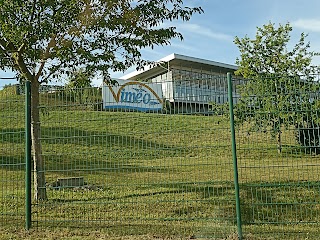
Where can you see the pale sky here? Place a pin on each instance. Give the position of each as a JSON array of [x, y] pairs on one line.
[[210, 35]]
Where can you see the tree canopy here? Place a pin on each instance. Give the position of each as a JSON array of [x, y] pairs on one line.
[[45, 40], [269, 54], [279, 84]]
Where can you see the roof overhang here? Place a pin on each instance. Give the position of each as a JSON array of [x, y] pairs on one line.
[[179, 61]]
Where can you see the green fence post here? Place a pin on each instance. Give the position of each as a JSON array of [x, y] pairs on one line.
[[234, 156], [28, 152]]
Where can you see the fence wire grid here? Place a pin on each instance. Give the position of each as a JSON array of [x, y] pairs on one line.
[[161, 172], [277, 122], [12, 158], [168, 172]]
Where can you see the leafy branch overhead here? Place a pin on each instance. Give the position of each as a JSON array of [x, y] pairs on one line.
[[44, 39], [279, 89]]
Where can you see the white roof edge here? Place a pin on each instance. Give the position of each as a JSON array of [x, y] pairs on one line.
[[148, 67], [130, 75], [204, 61], [135, 73], [180, 57], [168, 58]]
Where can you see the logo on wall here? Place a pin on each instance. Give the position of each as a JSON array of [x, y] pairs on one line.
[[134, 95]]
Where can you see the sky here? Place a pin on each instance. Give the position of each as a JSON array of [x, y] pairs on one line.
[[210, 35]]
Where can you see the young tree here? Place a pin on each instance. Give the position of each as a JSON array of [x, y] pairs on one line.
[[42, 40], [78, 83], [277, 90]]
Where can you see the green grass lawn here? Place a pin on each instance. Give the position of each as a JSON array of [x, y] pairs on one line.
[[154, 176]]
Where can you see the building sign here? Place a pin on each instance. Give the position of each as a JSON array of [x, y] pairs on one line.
[[122, 94]]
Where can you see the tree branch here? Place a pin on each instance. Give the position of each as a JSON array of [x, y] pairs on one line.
[[4, 51], [21, 48], [7, 45], [16, 57], [57, 67], [45, 56], [21, 67], [32, 15]]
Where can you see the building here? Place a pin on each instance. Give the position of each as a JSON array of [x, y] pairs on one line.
[[189, 84]]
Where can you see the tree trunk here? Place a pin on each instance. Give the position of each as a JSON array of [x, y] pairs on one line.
[[40, 192], [279, 142]]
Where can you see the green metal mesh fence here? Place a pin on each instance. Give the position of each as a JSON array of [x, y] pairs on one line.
[[12, 163], [157, 173], [277, 122], [168, 172]]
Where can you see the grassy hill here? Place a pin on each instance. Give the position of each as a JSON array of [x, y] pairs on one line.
[[156, 175]]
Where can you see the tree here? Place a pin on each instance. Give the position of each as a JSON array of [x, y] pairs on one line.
[[42, 40], [278, 82], [78, 83]]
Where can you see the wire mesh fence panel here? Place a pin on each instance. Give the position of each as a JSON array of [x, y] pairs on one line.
[[12, 163], [135, 164], [277, 120]]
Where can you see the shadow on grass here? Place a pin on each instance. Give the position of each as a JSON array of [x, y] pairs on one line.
[[12, 162], [298, 151], [183, 200], [93, 150], [12, 135], [281, 203], [273, 203]]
